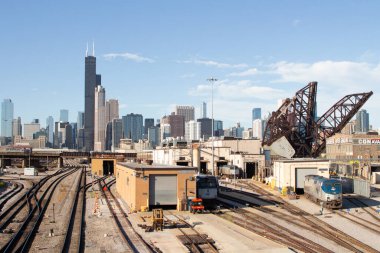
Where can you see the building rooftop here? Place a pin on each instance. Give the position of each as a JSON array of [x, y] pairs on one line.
[[295, 160], [140, 166]]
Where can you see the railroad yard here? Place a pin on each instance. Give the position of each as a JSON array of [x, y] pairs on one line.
[[69, 210]]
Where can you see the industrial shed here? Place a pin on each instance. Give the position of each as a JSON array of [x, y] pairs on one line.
[[144, 186], [291, 173], [103, 166]]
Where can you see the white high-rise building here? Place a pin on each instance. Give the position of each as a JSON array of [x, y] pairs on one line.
[[186, 111], [192, 130], [257, 129], [100, 119], [204, 110]]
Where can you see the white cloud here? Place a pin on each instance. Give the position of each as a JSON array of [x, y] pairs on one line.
[[216, 64], [339, 74], [248, 72], [128, 56], [237, 90]]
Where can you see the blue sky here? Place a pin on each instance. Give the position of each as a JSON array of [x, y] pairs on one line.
[[154, 55]]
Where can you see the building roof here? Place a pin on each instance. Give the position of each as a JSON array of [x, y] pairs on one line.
[[300, 160], [141, 166]]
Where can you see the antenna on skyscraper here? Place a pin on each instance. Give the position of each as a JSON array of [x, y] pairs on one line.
[[87, 50], [93, 48]]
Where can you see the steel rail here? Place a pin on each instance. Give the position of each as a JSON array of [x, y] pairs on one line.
[[16, 239], [194, 247], [319, 226], [74, 214], [126, 238], [148, 247]]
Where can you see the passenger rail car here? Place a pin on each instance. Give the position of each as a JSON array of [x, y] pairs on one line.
[[323, 190], [207, 190]]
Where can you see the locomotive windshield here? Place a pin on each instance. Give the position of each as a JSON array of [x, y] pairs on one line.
[[332, 187], [206, 182]]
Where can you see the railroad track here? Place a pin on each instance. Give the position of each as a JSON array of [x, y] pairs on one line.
[[193, 240], [368, 209], [74, 235], [314, 224], [134, 241], [10, 194], [8, 215], [268, 228], [22, 239]]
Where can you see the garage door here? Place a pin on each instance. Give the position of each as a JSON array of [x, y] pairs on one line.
[[300, 176], [162, 190]]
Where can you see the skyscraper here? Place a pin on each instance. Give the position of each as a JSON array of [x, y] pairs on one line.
[[112, 110], [64, 115], [362, 121], [154, 136], [133, 126], [17, 127], [218, 128], [256, 113], [117, 133], [186, 111], [192, 130], [6, 118], [80, 120], [100, 118], [50, 129], [148, 123], [108, 141], [206, 128], [257, 129], [90, 82], [204, 110], [30, 129], [177, 124]]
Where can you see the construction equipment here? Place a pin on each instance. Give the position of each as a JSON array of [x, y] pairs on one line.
[[196, 205], [158, 219]]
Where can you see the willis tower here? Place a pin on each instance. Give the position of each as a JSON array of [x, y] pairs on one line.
[[91, 80]]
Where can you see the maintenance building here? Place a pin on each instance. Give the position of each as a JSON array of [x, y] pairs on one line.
[[144, 186], [291, 173]]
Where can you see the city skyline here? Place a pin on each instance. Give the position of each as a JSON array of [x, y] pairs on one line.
[[168, 62]]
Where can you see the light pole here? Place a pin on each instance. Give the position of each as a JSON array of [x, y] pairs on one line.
[[212, 80]]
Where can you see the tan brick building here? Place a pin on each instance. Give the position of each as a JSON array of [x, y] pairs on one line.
[[144, 186]]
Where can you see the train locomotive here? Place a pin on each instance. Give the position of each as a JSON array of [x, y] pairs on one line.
[[207, 190], [323, 190]]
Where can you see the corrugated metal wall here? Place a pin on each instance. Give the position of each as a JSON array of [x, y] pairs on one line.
[[362, 187]]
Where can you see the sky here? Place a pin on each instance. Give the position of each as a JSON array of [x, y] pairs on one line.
[[153, 55]]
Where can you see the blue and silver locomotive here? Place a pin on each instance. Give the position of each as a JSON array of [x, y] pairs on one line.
[[207, 190], [323, 190]]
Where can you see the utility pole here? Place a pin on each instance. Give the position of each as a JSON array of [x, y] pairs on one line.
[[212, 80]]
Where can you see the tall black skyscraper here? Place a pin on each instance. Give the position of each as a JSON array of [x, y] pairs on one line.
[[91, 80]]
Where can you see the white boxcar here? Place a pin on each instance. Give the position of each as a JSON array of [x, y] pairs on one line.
[[30, 172]]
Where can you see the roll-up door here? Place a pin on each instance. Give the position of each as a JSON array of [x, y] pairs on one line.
[[162, 190], [300, 177]]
